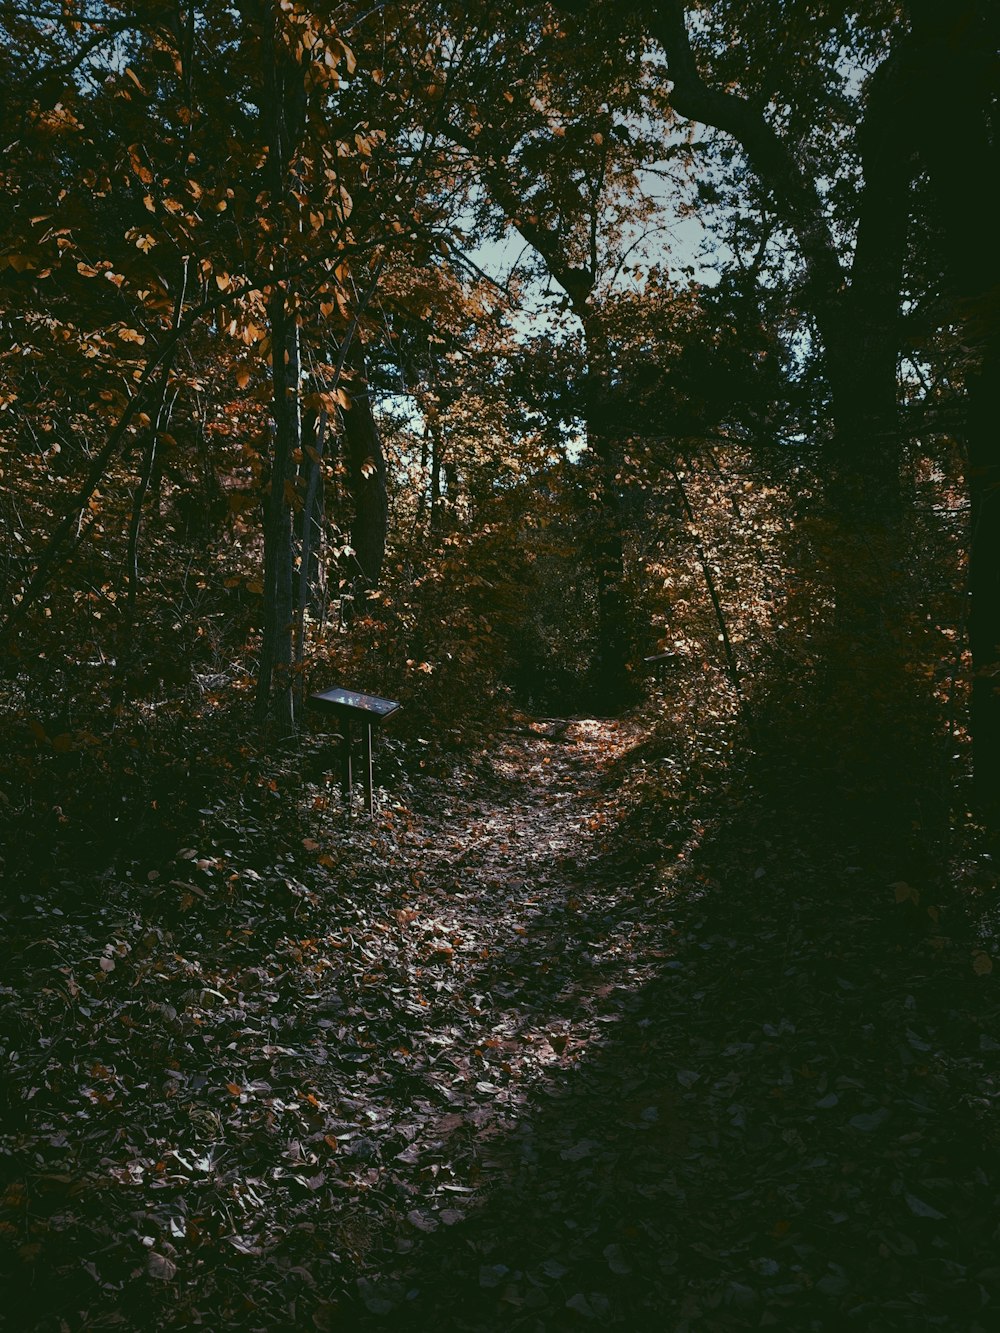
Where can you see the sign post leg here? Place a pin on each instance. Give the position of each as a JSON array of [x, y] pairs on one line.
[[369, 784], [346, 775]]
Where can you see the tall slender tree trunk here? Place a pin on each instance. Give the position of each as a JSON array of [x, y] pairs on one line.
[[309, 591], [861, 328], [608, 547], [274, 682], [366, 477], [309, 520], [283, 110], [437, 520]]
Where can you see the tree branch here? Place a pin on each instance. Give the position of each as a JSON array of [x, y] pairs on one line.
[[769, 156]]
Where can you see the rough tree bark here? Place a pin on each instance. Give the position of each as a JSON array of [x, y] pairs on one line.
[[962, 155], [439, 512], [283, 110], [274, 672]]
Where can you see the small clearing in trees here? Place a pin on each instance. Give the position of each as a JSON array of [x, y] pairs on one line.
[[511, 1055]]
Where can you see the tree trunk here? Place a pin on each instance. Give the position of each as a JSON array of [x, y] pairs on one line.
[[861, 326], [863, 502], [437, 524], [366, 478], [313, 514], [274, 680], [983, 447], [607, 545], [864, 457], [283, 109], [962, 154], [309, 591]]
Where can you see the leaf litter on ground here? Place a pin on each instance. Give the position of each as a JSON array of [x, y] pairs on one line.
[[499, 1058]]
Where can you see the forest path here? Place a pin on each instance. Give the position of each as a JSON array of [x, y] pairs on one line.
[[256, 1076], [516, 938], [527, 935], [513, 864], [720, 1088], [533, 1049]]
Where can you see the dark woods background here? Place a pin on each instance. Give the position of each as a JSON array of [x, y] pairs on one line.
[[268, 421], [471, 354]]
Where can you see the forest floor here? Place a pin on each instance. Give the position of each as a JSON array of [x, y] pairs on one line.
[[530, 1050]]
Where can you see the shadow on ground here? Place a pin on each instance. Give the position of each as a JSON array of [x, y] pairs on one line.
[[721, 1067], [786, 1122]]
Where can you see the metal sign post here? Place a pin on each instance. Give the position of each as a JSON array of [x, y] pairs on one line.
[[350, 706]]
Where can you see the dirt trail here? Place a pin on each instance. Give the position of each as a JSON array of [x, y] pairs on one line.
[[684, 1096], [489, 1062], [516, 929], [537, 942]]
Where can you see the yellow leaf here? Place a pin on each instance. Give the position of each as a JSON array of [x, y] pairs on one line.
[[242, 376], [982, 963], [347, 54], [138, 166], [87, 270], [905, 893], [222, 281]]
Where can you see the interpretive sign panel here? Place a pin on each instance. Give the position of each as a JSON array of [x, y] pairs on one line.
[[366, 709]]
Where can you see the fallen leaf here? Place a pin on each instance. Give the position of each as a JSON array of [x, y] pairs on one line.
[[920, 1209], [159, 1266]]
